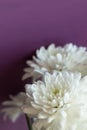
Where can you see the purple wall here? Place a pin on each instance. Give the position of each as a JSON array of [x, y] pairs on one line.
[[26, 25]]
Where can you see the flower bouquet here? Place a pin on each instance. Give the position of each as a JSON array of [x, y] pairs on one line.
[[57, 97]]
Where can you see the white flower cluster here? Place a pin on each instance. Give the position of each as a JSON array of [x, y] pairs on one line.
[[70, 58], [57, 97], [58, 102]]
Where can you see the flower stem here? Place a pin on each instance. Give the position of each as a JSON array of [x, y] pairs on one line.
[[28, 122]]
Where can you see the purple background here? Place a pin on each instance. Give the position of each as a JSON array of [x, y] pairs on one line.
[[25, 25]]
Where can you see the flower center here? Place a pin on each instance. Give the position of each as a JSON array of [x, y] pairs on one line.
[[55, 91]]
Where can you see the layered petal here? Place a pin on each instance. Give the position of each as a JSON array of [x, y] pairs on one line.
[[70, 57], [59, 101], [12, 108]]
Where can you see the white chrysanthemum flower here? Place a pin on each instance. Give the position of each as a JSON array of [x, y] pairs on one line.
[[70, 57], [59, 102], [12, 108]]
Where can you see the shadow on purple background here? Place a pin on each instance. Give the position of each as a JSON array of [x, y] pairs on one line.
[[25, 25]]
